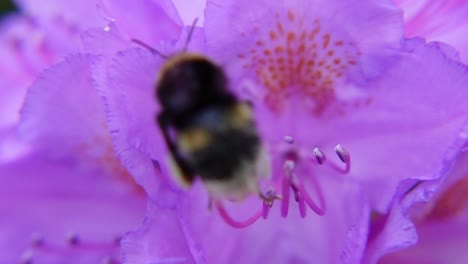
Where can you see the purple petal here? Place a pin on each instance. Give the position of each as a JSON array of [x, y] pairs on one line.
[[83, 13], [339, 236], [190, 10], [27, 48], [403, 134], [42, 202], [443, 242], [64, 116], [162, 239], [144, 20], [103, 42], [431, 217], [128, 87], [265, 25], [438, 20], [11, 145]]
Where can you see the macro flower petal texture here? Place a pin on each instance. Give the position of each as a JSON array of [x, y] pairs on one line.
[[346, 107], [438, 20], [350, 112], [427, 224], [55, 213], [69, 200], [33, 40]]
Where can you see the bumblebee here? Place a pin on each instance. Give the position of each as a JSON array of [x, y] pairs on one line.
[[210, 133]]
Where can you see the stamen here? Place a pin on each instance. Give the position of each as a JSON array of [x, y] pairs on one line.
[[289, 139], [345, 157], [320, 210], [302, 208], [265, 210], [319, 156], [288, 167], [293, 161], [236, 224], [73, 239], [37, 240], [27, 258], [342, 154], [294, 182]]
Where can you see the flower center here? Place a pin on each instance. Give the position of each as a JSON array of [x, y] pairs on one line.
[[307, 60], [293, 173]]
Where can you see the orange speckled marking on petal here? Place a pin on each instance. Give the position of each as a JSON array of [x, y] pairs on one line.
[[107, 159], [451, 202], [301, 59]]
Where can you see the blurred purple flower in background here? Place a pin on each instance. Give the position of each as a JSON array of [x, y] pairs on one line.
[[64, 196], [319, 73], [30, 42]]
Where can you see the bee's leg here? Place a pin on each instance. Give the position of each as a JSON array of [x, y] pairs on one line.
[[269, 196]]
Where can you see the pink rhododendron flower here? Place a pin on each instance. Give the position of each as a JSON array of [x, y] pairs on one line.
[[318, 75], [352, 115]]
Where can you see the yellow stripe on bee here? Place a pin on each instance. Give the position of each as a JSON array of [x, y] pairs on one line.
[[193, 139], [174, 60], [177, 174], [240, 115]]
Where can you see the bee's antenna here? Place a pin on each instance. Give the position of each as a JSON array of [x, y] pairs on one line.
[[190, 34], [164, 56], [153, 50]]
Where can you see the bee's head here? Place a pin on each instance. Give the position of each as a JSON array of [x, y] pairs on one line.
[[190, 82]]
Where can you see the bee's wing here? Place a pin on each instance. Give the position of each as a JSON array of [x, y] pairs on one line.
[[180, 169]]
